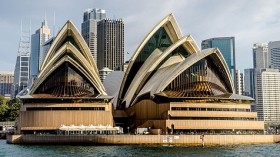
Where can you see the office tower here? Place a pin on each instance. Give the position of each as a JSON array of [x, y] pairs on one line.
[[37, 52], [274, 54], [267, 95], [110, 43], [21, 73], [260, 51], [89, 28], [239, 82], [249, 82], [227, 47], [249, 86], [6, 82]]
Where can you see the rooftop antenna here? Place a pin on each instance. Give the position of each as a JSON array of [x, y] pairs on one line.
[[45, 19]]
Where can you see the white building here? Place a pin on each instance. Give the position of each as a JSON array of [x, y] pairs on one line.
[[274, 54], [268, 95], [239, 82], [103, 73]]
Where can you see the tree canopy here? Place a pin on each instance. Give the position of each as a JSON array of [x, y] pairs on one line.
[[9, 109]]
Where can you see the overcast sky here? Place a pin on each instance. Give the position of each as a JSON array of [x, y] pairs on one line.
[[249, 21]]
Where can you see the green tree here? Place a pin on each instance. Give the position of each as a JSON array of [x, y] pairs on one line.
[[14, 109], [3, 108]]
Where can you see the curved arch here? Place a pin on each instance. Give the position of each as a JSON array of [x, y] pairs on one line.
[[170, 26], [154, 60]]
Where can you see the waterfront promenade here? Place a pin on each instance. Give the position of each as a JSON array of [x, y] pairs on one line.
[[143, 139]]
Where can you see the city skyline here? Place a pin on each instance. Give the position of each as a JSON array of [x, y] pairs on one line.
[[248, 21]]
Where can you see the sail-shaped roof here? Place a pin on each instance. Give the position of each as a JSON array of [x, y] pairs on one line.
[[161, 61], [68, 69]]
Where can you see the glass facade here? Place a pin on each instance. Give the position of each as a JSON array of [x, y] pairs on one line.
[[34, 58]]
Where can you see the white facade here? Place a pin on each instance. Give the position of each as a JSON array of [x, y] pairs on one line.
[[103, 73], [274, 54], [268, 95], [239, 82], [260, 55]]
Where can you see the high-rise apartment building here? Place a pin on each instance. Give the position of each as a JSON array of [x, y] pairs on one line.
[[260, 54], [37, 52], [110, 43], [227, 47], [89, 28], [274, 54], [6, 82], [239, 82], [267, 95]]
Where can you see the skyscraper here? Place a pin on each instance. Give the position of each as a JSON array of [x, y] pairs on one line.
[[239, 82], [267, 95], [227, 47], [89, 28], [110, 43], [249, 86], [274, 54], [6, 82], [260, 51], [21, 73], [249, 82], [37, 52]]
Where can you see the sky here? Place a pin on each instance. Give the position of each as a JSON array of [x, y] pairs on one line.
[[249, 21]]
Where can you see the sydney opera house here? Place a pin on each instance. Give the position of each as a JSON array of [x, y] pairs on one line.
[[170, 85]]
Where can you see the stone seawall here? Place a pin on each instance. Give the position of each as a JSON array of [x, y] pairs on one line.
[[143, 139]]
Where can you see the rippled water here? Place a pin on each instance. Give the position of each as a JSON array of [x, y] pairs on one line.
[[266, 150]]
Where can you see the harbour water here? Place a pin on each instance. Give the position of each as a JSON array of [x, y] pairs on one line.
[[11, 150]]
